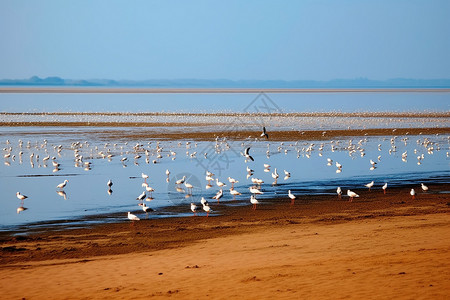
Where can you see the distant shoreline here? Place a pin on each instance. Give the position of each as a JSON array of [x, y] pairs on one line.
[[134, 90]]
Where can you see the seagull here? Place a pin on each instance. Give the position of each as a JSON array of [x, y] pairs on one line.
[[339, 192], [188, 186], [373, 163], [145, 176], [62, 185], [146, 209], [250, 170], [292, 196], [219, 183], [247, 155], [180, 181], [167, 172], [287, 174], [232, 181], [207, 209], [141, 196], [109, 184], [424, 187], [194, 208], [275, 174], [384, 187], [369, 185], [20, 196], [413, 193], [264, 133], [266, 166], [253, 201], [132, 217], [149, 189], [234, 193], [218, 195], [255, 190], [351, 195], [203, 201]]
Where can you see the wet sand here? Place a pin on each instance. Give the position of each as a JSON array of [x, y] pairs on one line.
[[378, 246], [178, 131]]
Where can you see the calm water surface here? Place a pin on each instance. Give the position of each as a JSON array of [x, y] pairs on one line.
[[86, 197]]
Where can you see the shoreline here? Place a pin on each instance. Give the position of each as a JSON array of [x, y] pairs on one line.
[[318, 247], [306, 209], [233, 133]]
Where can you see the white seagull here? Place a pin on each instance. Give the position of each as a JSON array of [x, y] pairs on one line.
[[220, 183], [234, 193], [20, 196], [339, 192], [180, 181], [413, 193], [132, 217], [384, 187], [62, 185], [351, 195], [424, 187], [369, 185], [194, 208], [292, 196], [218, 195], [145, 176], [232, 181], [253, 201], [207, 209], [255, 190], [109, 184], [141, 196]]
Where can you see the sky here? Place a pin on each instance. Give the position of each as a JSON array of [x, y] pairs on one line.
[[280, 40]]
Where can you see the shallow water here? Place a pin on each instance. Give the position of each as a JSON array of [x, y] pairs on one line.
[[86, 198]]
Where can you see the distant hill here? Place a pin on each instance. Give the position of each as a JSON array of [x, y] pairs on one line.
[[224, 83]]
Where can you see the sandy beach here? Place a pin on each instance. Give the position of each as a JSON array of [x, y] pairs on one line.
[[378, 246]]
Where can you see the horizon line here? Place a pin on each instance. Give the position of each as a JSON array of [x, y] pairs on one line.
[[149, 90]]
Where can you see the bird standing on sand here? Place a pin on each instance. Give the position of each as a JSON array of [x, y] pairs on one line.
[[424, 187], [339, 192], [146, 209], [207, 209], [218, 195], [194, 208], [351, 195], [413, 193], [292, 196], [264, 133], [369, 185], [247, 154], [132, 217], [62, 185], [384, 187], [253, 201]]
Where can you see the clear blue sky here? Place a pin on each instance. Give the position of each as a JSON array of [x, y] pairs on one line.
[[289, 40]]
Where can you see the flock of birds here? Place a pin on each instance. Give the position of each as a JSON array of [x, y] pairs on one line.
[[255, 189]]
